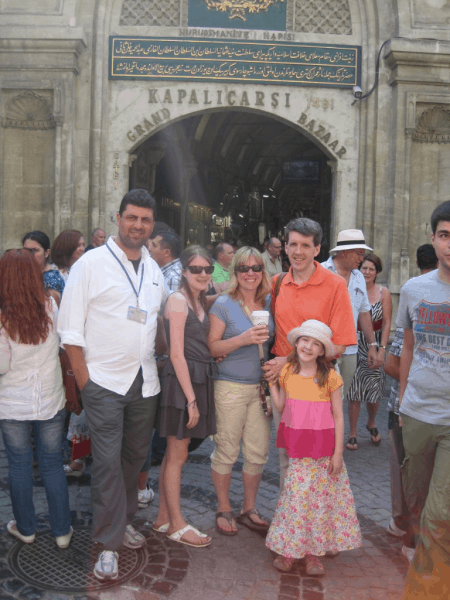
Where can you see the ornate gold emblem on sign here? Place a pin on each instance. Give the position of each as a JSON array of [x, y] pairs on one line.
[[240, 9]]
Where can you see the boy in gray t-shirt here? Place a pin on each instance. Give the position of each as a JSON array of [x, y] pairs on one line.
[[424, 313], [425, 308]]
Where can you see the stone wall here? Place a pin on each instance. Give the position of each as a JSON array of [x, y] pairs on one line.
[[65, 142]]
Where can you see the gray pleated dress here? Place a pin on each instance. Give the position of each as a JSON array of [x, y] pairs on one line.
[[202, 370]]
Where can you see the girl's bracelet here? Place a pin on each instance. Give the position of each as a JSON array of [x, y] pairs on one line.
[[191, 403]]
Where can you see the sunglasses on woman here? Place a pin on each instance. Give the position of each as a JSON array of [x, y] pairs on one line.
[[195, 270], [246, 268]]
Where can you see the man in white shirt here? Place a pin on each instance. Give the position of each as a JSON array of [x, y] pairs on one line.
[[271, 257], [108, 324], [345, 260]]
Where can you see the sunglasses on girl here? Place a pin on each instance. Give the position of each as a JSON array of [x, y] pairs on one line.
[[246, 268], [195, 270]]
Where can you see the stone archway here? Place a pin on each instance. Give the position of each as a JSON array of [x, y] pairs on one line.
[[231, 174], [140, 111]]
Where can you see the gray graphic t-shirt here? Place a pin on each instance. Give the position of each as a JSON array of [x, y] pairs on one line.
[[425, 308]]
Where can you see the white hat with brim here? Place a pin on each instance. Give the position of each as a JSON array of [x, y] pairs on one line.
[[350, 239], [318, 331]]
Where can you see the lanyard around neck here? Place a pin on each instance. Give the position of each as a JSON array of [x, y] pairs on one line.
[[137, 292]]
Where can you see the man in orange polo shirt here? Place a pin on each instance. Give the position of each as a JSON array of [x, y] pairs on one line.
[[308, 291]]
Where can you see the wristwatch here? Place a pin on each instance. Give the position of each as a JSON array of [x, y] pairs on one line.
[[373, 344]]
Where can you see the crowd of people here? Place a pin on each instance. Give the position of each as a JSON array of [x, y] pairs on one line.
[[233, 338]]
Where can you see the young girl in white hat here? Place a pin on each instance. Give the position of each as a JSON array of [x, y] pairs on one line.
[[316, 512]]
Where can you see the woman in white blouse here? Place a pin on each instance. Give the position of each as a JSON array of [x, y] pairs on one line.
[[31, 396]]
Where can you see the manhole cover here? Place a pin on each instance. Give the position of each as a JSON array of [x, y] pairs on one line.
[[44, 564]]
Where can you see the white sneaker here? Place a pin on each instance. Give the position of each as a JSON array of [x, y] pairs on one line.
[[145, 497], [107, 566], [408, 553], [133, 539], [392, 529]]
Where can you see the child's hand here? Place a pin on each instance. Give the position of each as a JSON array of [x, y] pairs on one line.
[[335, 466]]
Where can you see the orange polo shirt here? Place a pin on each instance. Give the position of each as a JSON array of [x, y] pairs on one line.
[[323, 297]]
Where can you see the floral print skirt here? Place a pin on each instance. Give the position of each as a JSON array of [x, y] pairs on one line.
[[316, 513]]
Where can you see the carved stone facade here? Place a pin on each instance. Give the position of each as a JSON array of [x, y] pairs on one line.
[[151, 13], [433, 126], [323, 17], [68, 133], [308, 16], [28, 111]]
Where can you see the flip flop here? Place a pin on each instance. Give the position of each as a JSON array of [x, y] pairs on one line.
[[352, 441], [245, 519], [177, 535], [228, 516], [373, 434]]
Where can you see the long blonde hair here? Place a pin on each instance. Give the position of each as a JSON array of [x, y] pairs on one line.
[[241, 256]]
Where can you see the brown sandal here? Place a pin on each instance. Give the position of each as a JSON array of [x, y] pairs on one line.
[[246, 520], [228, 516]]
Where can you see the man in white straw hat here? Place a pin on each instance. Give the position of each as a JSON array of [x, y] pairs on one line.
[[345, 260]]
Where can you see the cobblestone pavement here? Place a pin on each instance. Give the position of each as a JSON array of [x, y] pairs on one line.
[[232, 568]]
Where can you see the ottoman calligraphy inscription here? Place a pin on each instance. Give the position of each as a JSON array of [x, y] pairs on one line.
[[253, 62]]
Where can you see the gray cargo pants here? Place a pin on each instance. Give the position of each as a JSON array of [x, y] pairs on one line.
[[120, 428]]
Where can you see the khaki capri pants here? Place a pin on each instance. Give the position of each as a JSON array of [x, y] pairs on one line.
[[239, 416]]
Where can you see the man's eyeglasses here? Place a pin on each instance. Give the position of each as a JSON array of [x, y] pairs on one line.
[[246, 268], [195, 270]]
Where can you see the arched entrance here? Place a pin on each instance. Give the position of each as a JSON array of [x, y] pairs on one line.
[[234, 175]]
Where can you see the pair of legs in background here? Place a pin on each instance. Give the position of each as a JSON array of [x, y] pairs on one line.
[[426, 483], [18, 444], [120, 429], [239, 418], [347, 366]]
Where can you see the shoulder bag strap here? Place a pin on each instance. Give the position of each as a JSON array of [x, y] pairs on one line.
[[276, 291]]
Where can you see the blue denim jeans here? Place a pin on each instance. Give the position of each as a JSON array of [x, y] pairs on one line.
[[17, 439]]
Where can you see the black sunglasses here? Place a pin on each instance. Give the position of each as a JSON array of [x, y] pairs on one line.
[[195, 270], [246, 268]]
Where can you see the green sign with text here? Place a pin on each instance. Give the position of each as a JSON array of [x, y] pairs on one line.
[[179, 59]]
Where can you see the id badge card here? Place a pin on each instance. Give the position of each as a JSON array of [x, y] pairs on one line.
[[137, 314]]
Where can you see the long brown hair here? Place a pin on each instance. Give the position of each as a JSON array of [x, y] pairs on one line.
[[23, 300], [186, 257], [64, 246], [324, 365]]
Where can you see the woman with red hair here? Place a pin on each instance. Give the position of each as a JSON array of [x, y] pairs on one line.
[[31, 396], [67, 248]]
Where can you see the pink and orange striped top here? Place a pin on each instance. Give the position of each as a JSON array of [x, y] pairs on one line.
[[307, 424]]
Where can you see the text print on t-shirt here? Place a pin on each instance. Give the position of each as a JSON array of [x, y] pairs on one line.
[[432, 333]]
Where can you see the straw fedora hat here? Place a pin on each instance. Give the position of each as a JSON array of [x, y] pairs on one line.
[[318, 331], [348, 239]]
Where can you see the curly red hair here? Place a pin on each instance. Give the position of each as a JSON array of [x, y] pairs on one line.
[[23, 300]]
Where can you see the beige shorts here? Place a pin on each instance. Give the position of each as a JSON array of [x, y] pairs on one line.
[[239, 416]]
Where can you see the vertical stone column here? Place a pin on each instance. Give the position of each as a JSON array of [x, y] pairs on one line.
[[58, 175], [189, 168]]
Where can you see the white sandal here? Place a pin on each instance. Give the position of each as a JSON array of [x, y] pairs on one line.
[[177, 535], [162, 528]]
